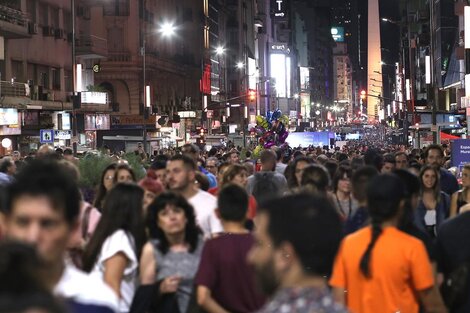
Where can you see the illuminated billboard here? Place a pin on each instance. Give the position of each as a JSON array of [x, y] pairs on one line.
[[280, 65], [338, 34]]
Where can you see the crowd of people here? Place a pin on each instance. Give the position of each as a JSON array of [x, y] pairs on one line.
[[357, 229]]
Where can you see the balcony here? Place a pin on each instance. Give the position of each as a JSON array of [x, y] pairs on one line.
[[13, 23], [91, 47], [9, 89], [119, 56]]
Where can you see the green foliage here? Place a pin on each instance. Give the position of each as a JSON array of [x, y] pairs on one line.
[[91, 166], [95, 88], [136, 164]]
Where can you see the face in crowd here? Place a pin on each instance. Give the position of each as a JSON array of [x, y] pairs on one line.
[[36, 221], [299, 170], [172, 220], [124, 175], [178, 176], [211, 166], [401, 162], [108, 179], [435, 157]]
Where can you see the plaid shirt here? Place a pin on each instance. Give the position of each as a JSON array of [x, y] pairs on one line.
[[302, 300]]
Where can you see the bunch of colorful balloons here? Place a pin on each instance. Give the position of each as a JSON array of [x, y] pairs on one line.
[[271, 129]]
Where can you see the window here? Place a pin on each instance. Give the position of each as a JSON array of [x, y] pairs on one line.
[[68, 80], [31, 9], [43, 14], [17, 71], [55, 17], [43, 76], [55, 78], [115, 39], [116, 8]]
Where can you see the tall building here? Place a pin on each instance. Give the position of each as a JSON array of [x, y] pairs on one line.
[[375, 111], [342, 81], [35, 72], [317, 18]]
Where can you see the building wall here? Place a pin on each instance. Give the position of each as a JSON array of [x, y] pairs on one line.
[[374, 68]]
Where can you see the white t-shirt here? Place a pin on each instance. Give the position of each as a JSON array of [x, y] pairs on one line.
[[119, 241], [77, 286], [204, 205]]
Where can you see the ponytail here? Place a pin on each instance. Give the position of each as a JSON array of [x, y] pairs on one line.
[[365, 260]]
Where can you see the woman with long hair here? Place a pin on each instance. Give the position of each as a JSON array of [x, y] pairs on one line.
[[380, 268], [113, 251], [434, 206], [461, 197], [171, 258], [124, 173], [294, 170], [105, 185], [342, 192]]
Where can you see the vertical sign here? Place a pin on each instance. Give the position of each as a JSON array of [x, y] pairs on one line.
[[279, 9]]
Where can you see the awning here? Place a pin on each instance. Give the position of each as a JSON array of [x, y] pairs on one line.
[[445, 136]]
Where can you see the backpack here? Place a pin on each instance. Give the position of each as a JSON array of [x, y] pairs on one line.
[[456, 286], [264, 186]]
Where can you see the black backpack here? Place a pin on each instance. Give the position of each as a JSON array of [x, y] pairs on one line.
[[456, 286], [264, 186]]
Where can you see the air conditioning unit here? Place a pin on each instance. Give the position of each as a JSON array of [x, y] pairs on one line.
[[33, 28]]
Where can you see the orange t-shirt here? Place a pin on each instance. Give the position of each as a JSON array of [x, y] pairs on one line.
[[399, 266]]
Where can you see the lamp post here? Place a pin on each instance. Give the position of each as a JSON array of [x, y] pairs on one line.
[[74, 80], [167, 30]]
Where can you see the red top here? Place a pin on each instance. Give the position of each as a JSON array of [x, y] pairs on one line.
[[252, 204]]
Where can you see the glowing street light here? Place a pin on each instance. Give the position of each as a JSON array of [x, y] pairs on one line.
[[168, 29], [240, 65], [219, 50]]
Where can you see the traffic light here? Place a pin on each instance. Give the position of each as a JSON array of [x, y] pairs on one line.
[[363, 94], [252, 95]]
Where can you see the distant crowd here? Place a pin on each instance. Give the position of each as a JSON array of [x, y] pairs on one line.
[[363, 228]]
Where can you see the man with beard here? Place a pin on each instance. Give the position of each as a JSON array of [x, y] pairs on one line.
[[434, 155], [294, 251], [181, 178]]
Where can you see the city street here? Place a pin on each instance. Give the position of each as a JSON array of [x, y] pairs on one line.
[[234, 156]]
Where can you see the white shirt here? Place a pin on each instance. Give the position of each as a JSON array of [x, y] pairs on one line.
[[204, 205], [77, 286], [119, 241]]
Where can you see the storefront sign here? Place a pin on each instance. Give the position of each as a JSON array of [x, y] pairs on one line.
[[131, 121], [8, 116], [6, 130], [97, 122], [93, 97], [63, 134], [460, 153]]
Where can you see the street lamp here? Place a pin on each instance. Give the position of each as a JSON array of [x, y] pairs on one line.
[[220, 50], [167, 29], [240, 65]]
